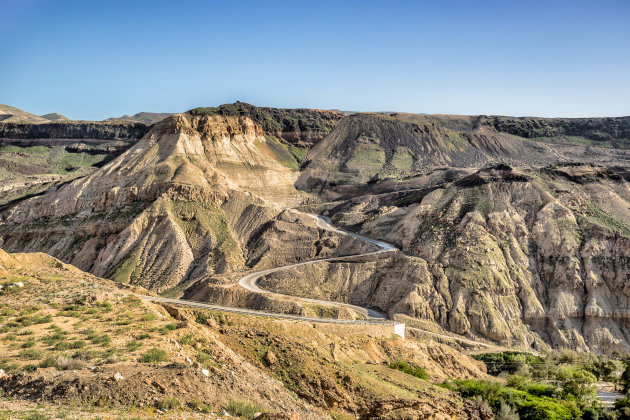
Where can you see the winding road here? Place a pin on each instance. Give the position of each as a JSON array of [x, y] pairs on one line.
[[249, 282]]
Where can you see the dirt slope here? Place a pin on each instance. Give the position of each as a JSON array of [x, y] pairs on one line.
[[67, 337]]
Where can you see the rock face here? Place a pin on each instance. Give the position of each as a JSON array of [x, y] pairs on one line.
[[518, 257], [84, 130], [181, 204], [300, 126], [613, 132]]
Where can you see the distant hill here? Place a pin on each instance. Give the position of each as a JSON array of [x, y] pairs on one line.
[[16, 115], [55, 117], [143, 117]]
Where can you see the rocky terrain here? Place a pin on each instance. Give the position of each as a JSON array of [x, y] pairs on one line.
[[522, 257], [376, 148], [512, 231], [70, 339], [197, 196]]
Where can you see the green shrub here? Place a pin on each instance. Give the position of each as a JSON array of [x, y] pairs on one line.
[[416, 371], [104, 340], [243, 409], [62, 345], [169, 403], [154, 356], [134, 345], [509, 361], [77, 344], [528, 407], [147, 317], [48, 362], [31, 354], [28, 343], [541, 390], [200, 406], [168, 327]]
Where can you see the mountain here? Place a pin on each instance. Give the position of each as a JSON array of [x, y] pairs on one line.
[[55, 117], [143, 117], [16, 115], [374, 148], [509, 227], [530, 257], [182, 204]]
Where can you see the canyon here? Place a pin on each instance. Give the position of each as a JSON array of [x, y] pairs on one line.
[[513, 232]]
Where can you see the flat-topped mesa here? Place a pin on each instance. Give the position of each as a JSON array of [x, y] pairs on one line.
[[297, 125]]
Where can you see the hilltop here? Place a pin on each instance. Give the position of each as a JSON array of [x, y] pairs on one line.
[[143, 117]]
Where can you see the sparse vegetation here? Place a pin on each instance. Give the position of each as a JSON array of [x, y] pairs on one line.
[[416, 371], [243, 409], [154, 355], [169, 403]]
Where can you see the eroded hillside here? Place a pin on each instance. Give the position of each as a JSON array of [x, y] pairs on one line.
[[196, 196], [70, 339], [525, 257]]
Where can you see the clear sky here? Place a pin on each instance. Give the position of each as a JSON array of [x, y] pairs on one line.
[[96, 59]]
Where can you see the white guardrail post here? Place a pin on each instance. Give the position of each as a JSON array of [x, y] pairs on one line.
[[399, 330]]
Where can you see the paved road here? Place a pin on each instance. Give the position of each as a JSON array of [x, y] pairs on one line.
[[195, 304], [249, 281]]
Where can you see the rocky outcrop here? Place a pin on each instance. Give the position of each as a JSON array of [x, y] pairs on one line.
[[303, 126], [613, 132], [84, 130]]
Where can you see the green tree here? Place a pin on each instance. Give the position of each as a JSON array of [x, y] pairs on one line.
[[580, 383]]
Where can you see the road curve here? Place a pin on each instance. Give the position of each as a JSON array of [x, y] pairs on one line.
[[249, 282]]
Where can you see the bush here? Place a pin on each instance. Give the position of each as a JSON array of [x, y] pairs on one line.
[[28, 343], [77, 344], [509, 361], [198, 405], [103, 340], [62, 345], [31, 354], [243, 409], [134, 345], [506, 412], [154, 356], [169, 403], [67, 363], [147, 317], [416, 371], [528, 407], [541, 390]]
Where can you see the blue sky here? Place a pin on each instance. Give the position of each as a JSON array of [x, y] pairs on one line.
[[96, 59]]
